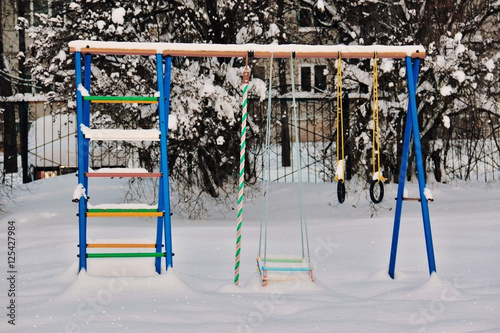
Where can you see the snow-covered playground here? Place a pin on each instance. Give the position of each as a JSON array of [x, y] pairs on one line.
[[350, 250]]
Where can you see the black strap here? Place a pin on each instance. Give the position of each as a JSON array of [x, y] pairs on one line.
[[380, 192], [341, 191]]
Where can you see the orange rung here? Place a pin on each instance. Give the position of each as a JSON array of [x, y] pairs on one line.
[[124, 214]]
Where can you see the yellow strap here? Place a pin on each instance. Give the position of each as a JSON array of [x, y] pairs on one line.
[[340, 116], [376, 129]]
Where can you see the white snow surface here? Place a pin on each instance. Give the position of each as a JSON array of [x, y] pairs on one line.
[[446, 90], [79, 192], [117, 15], [446, 121], [117, 134], [131, 47], [350, 252]]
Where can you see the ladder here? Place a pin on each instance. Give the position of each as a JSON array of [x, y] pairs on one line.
[[162, 248]]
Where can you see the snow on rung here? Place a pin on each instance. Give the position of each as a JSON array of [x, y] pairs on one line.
[[118, 134], [119, 170], [122, 206], [122, 172]]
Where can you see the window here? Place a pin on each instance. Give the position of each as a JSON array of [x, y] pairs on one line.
[[306, 17], [320, 77], [305, 78], [313, 78], [259, 72]]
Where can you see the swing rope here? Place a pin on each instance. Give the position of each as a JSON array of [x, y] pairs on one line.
[[377, 177], [340, 174], [303, 222], [266, 171]]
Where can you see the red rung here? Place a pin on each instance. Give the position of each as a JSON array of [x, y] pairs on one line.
[[123, 174]]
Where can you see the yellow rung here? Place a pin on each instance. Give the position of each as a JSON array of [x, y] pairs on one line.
[[122, 245], [124, 214]]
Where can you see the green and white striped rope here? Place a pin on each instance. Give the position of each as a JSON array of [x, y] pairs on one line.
[[241, 182]]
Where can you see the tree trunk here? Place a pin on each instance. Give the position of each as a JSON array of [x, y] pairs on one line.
[[23, 88], [9, 121]]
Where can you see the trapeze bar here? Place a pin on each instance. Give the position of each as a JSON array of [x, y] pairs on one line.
[[242, 50]]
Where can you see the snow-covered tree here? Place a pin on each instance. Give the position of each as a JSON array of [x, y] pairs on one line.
[[458, 80], [206, 96]]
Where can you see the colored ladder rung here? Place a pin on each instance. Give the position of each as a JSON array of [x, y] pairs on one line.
[[123, 174], [133, 213], [122, 210], [288, 269], [121, 99], [127, 255], [122, 245]]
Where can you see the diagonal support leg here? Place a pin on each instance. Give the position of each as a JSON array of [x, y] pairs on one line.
[[164, 77], [411, 127]]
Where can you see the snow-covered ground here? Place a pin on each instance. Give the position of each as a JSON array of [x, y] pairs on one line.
[[349, 245]]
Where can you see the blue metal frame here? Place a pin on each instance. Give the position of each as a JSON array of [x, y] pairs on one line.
[[83, 117], [164, 222], [412, 70], [81, 177]]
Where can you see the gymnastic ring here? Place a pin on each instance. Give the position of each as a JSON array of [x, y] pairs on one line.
[[381, 191], [341, 191]]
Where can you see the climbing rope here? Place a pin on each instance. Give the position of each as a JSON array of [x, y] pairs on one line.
[[339, 177], [377, 178], [241, 182]]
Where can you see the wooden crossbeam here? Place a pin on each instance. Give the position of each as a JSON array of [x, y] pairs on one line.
[[242, 50]]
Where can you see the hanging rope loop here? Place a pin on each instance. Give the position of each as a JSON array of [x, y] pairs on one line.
[[340, 173], [377, 177]]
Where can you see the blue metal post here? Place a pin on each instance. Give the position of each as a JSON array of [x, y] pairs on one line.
[[84, 154], [411, 126], [82, 205], [168, 221], [163, 78], [420, 169]]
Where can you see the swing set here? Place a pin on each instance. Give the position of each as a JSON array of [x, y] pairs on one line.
[[163, 53]]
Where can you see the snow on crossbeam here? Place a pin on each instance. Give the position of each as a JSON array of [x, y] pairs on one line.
[[118, 135], [242, 50]]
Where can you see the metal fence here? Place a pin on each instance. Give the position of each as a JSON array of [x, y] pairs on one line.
[[317, 127], [51, 143]]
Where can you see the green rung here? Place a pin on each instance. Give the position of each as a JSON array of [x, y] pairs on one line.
[[121, 210], [126, 255], [121, 99]]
